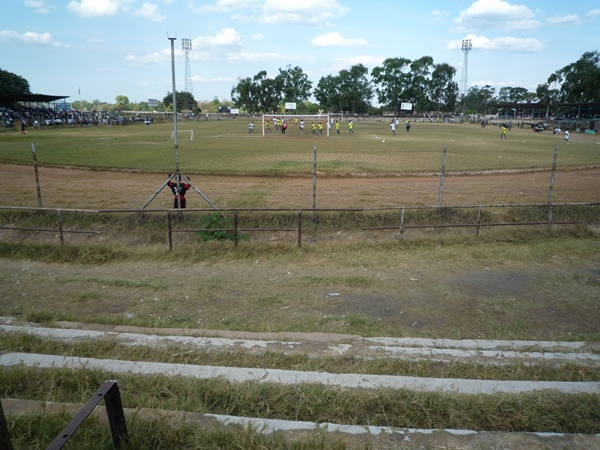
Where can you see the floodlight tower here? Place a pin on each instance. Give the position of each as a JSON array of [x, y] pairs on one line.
[[186, 45], [467, 45]]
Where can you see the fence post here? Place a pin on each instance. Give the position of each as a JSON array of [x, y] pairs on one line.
[[116, 416], [235, 226], [169, 230], [37, 176], [442, 176], [299, 228], [5, 443], [60, 228], [552, 175], [478, 219], [314, 204], [402, 221]]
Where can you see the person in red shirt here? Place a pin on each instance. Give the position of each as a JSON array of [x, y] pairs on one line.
[[179, 189]]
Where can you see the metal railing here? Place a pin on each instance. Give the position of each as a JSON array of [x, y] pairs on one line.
[[109, 392]]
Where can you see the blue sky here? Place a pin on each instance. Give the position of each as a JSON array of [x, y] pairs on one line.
[[98, 49]]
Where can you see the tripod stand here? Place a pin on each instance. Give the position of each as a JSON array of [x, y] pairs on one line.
[[179, 190], [177, 187]]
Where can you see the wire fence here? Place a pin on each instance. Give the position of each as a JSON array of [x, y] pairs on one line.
[[320, 175]]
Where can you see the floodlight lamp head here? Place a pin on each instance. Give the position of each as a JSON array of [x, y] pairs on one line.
[[467, 45], [186, 44]]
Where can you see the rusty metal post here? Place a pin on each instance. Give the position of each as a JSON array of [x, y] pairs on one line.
[[550, 191], [37, 177], [116, 417], [299, 228], [478, 219], [442, 176], [314, 205], [235, 227], [169, 230], [402, 221], [61, 234], [5, 443]]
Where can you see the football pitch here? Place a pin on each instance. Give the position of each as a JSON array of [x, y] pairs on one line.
[[227, 148], [121, 166]]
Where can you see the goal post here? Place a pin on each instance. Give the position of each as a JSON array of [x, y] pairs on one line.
[[297, 124]]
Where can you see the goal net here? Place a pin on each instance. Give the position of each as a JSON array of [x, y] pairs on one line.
[[297, 125]]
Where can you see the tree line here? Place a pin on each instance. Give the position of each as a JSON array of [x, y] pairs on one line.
[[428, 86]]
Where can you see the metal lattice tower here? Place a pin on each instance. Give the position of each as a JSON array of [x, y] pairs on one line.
[[186, 45], [467, 45]]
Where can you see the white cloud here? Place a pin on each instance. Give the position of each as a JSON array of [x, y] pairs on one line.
[[258, 37], [593, 13], [277, 11], [150, 11], [156, 57], [368, 61], [505, 43], [225, 37], [486, 14], [559, 20], [30, 37], [39, 6], [337, 40], [438, 13], [96, 8], [244, 56], [226, 6]]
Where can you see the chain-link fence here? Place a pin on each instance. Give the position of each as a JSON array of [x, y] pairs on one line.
[[446, 164]]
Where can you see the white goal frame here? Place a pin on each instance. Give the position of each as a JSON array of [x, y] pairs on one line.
[[293, 127], [183, 131]]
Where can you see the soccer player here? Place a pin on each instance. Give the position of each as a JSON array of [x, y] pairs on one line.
[[393, 127], [251, 127], [567, 136], [302, 126], [320, 129], [407, 125], [267, 127], [337, 126], [313, 128], [350, 128], [503, 132]]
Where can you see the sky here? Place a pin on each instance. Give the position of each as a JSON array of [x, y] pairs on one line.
[[100, 49]]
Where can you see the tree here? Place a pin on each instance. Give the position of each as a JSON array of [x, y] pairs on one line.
[[392, 81], [442, 89], [242, 95], [478, 98], [185, 101], [580, 81], [419, 83], [295, 85], [122, 100], [328, 93], [12, 84], [267, 92], [356, 90]]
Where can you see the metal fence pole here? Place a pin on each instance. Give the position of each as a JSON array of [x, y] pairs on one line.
[[37, 177], [442, 176], [314, 204], [169, 231], [552, 175], [299, 228], [5, 443], [60, 228]]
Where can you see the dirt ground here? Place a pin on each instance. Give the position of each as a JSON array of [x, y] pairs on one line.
[[93, 189]]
